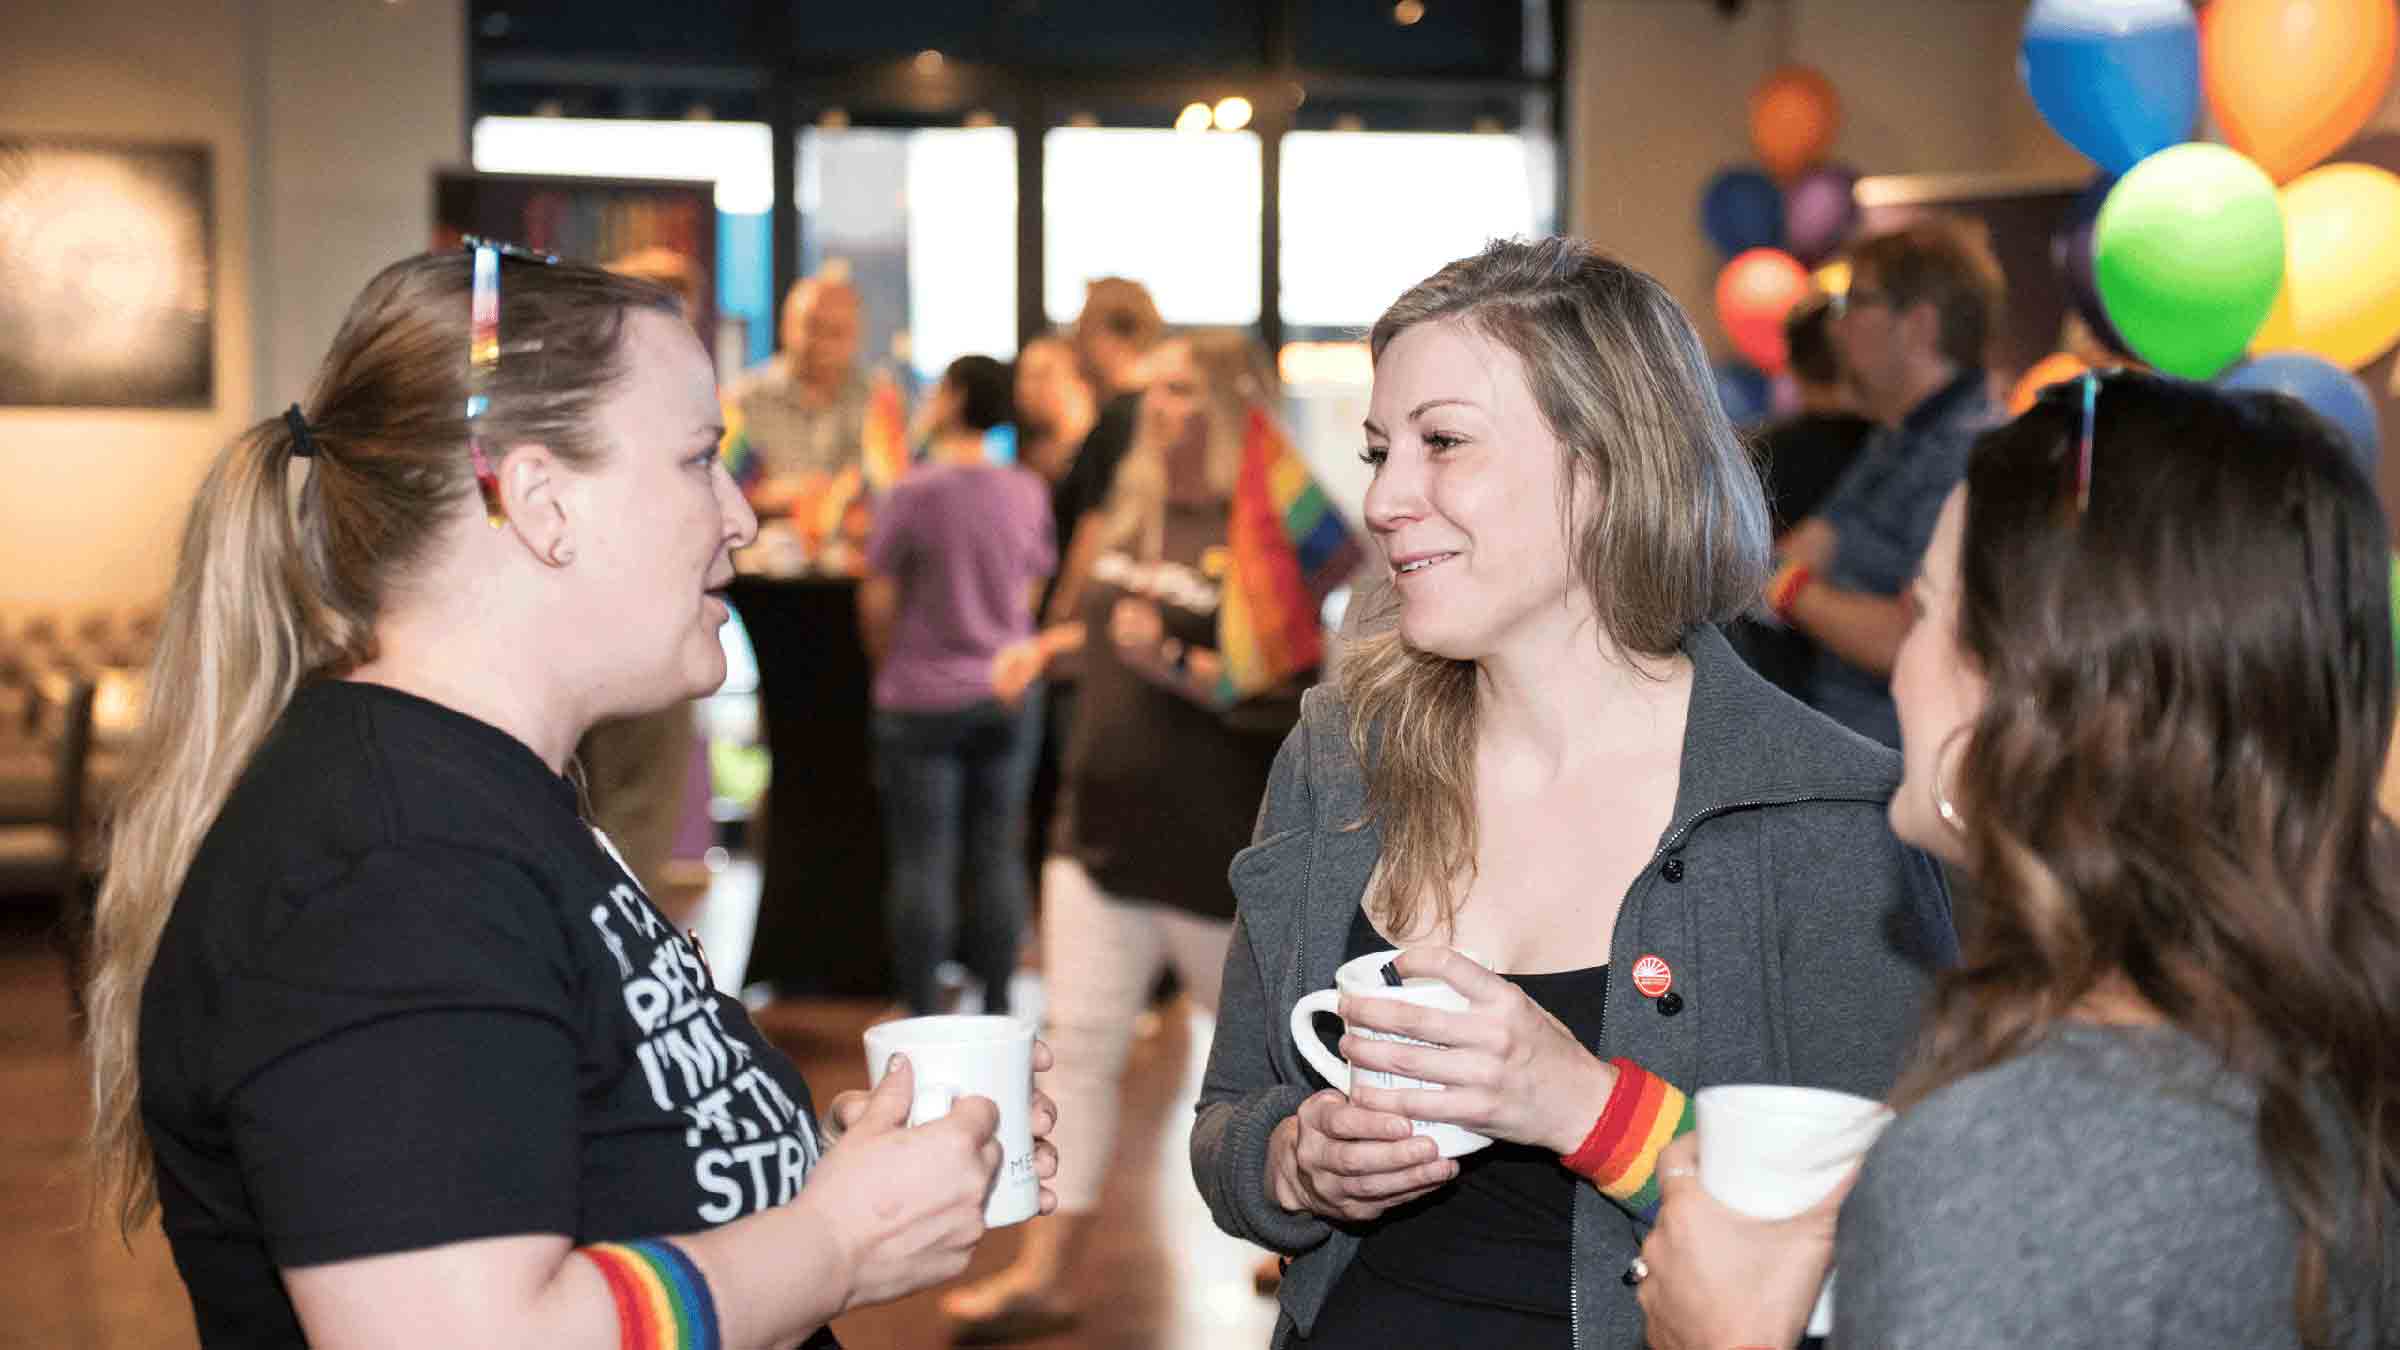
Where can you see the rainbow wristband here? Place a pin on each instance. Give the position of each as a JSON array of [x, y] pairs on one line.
[[662, 1302], [1620, 1155], [1783, 590]]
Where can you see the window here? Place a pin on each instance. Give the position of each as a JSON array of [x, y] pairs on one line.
[[1174, 210]]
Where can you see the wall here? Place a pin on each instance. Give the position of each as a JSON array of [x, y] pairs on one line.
[[1660, 105], [325, 119]]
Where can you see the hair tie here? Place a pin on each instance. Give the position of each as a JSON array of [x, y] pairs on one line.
[[303, 444]]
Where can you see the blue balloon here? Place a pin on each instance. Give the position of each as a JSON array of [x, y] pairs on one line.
[[1748, 396], [2329, 391], [1742, 210], [2119, 79]]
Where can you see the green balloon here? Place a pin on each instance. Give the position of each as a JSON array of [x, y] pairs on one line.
[[2188, 254]]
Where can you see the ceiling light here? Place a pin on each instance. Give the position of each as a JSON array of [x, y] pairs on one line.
[[1194, 117], [929, 62], [1233, 113], [1407, 12]]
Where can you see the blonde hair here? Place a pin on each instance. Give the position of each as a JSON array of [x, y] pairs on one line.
[[1239, 377], [282, 575], [1675, 535]]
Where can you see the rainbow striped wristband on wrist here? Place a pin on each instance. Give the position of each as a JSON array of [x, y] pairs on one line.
[[1620, 1155], [662, 1302]]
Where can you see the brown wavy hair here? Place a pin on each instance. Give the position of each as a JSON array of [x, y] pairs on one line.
[[1676, 535], [2171, 787], [284, 568]]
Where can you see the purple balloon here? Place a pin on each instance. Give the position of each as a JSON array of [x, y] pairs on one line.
[[2071, 255], [1820, 212]]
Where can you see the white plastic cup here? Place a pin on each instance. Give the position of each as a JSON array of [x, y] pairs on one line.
[[960, 1056], [1772, 1151]]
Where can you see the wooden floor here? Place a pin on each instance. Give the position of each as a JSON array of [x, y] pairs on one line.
[[1163, 1278]]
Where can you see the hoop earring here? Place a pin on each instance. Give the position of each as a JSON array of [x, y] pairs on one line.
[[1942, 805]]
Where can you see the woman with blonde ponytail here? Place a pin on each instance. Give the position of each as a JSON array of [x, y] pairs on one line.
[[1552, 759], [379, 1025]]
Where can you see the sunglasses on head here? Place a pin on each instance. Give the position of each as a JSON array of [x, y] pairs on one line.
[[483, 355]]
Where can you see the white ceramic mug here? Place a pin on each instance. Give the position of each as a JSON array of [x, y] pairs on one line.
[[958, 1056], [1771, 1151], [1362, 977]]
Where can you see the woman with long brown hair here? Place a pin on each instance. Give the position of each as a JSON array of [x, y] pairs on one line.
[[1555, 760], [381, 1026], [2144, 705], [1160, 782]]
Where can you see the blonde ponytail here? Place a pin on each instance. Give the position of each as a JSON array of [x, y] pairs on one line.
[[244, 624], [282, 574]]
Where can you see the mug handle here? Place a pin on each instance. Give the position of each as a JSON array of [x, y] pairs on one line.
[[932, 1102], [1312, 1047]]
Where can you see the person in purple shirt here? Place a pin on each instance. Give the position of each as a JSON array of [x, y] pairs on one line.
[[959, 552]]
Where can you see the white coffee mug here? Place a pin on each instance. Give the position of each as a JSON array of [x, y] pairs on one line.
[[954, 1057], [1771, 1151], [1362, 977]]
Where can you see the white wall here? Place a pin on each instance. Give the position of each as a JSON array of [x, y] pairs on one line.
[[93, 498], [325, 119], [1661, 92]]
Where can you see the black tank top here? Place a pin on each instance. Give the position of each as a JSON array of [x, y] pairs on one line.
[[1488, 1256]]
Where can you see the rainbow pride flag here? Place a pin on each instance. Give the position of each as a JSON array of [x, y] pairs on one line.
[[1289, 549], [883, 452]]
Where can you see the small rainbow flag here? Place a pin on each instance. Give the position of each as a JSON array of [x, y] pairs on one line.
[[741, 457], [1289, 549], [883, 452]]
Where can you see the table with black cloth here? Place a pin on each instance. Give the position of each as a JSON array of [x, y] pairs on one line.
[[820, 908]]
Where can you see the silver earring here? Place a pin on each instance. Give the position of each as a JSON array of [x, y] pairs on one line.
[[561, 555], [1942, 805]]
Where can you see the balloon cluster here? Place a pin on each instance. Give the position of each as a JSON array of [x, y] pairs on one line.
[[2188, 254], [1774, 222]]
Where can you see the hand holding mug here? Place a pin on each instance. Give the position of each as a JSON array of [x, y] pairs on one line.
[[847, 1107], [1505, 1066], [904, 1206], [1716, 1276], [1345, 1163]]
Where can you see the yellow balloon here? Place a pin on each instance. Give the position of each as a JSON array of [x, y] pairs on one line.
[[2341, 269], [1833, 278]]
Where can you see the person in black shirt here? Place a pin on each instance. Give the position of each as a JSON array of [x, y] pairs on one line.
[[1804, 456], [389, 1034]]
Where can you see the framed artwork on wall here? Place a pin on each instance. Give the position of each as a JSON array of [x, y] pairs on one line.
[[107, 277]]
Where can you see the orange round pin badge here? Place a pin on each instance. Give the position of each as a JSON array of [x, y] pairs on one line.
[[1653, 976]]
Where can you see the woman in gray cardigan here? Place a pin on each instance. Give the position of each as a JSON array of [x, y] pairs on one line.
[[1553, 760], [2159, 1104]]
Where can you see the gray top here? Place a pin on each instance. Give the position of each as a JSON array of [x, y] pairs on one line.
[[1803, 939], [2115, 1197]]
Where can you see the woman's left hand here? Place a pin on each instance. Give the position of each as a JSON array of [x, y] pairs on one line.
[[1508, 1068], [1715, 1277], [844, 1110]]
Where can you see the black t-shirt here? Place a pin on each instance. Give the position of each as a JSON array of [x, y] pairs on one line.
[[1486, 1260], [408, 997], [1085, 484], [1162, 792], [1805, 456]]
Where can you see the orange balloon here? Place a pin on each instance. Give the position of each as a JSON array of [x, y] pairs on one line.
[[1754, 293], [2291, 81], [2041, 375], [1794, 116]]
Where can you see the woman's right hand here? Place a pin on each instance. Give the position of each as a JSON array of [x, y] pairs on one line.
[[904, 1206], [1347, 1163]]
